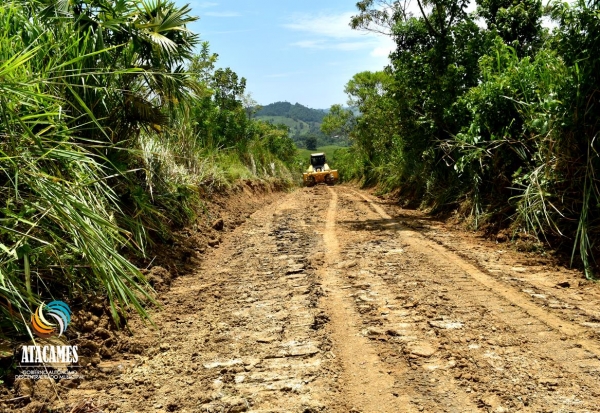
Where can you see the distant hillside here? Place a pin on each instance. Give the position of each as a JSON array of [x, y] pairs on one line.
[[297, 127], [296, 112], [303, 122]]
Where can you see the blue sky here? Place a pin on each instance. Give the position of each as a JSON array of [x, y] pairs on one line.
[[295, 51]]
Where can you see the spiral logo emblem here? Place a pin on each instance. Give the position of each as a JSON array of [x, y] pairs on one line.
[[59, 311]]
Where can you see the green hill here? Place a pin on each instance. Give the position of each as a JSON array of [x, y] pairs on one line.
[[296, 112], [297, 127], [302, 121]]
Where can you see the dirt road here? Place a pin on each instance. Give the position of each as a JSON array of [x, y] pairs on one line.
[[332, 301]]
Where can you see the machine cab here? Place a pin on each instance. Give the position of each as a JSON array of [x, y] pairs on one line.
[[318, 161]]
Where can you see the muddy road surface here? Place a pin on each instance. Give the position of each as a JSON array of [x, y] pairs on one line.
[[330, 300]]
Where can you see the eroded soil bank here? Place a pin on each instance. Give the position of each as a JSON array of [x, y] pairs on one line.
[[330, 300]]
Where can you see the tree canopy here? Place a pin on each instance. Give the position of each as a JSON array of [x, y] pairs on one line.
[[497, 119]]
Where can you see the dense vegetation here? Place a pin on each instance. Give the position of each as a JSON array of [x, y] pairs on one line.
[[110, 123], [501, 121]]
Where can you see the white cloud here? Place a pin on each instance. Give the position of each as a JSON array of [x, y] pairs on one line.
[[325, 45], [311, 44], [348, 46], [333, 32], [329, 25], [385, 47], [222, 14]]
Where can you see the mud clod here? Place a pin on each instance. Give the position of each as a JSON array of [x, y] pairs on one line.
[[218, 224]]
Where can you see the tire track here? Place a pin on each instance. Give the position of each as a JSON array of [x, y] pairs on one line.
[[508, 353], [574, 331], [366, 388], [393, 327]]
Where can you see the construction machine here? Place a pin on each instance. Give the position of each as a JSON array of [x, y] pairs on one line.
[[319, 172]]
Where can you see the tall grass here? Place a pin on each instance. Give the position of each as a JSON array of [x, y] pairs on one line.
[[100, 153], [58, 226]]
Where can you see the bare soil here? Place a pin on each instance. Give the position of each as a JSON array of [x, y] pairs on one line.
[[328, 299]]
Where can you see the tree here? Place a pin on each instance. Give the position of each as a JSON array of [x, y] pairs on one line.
[[310, 142], [518, 23], [375, 127], [231, 121], [250, 105], [408, 109], [379, 16], [339, 122], [435, 62]]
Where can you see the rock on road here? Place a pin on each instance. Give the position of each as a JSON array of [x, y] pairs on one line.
[[330, 301]]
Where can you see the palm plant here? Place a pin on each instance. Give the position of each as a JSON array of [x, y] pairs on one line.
[[73, 100]]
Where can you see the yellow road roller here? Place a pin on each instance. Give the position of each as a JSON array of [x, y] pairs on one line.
[[319, 172]]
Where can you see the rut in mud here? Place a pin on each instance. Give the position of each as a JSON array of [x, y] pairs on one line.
[[328, 301]]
